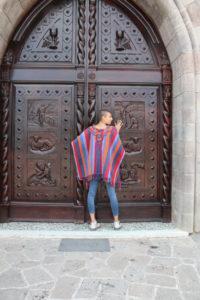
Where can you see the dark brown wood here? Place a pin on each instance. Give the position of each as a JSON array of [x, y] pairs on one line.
[[92, 32], [79, 200], [131, 81], [5, 87], [81, 32], [167, 143], [67, 60]]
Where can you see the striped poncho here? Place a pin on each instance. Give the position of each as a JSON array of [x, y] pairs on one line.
[[98, 153]]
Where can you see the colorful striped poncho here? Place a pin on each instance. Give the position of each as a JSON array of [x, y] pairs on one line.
[[98, 153]]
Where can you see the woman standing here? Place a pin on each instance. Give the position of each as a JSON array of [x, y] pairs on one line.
[[98, 153]]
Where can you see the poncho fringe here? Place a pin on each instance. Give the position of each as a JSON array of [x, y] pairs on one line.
[[89, 165]]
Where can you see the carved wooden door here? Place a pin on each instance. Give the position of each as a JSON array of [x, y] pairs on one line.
[[79, 57], [128, 74], [46, 114]]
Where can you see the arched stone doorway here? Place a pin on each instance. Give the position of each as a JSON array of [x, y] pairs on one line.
[[67, 60]]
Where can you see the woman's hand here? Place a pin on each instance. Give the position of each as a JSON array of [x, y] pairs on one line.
[[118, 125]]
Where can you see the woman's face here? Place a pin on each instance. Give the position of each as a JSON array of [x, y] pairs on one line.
[[108, 118]]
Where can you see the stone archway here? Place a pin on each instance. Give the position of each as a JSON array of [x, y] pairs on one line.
[[179, 38], [178, 35]]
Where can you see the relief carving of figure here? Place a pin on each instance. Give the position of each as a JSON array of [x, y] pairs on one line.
[[42, 175], [133, 145], [130, 174], [42, 114], [51, 41], [131, 120], [121, 41], [38, 143]]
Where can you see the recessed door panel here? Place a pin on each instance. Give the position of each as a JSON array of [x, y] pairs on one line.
[[137, 107], [42, 158]]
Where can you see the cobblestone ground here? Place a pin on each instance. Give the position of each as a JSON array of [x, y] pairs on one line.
[[156, 268]]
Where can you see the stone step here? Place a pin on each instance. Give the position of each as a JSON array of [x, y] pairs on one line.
[[71, 230]]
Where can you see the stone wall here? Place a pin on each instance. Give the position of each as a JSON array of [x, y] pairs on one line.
[[179, 24]]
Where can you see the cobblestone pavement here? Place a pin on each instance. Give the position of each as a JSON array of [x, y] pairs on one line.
[[154, 268]]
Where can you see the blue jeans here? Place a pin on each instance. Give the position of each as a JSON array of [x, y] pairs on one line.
[[111, 193]]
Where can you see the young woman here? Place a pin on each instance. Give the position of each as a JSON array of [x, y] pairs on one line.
[[98, 153]]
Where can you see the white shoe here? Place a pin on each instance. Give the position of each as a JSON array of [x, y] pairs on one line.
[[94, 225], [117, 225]]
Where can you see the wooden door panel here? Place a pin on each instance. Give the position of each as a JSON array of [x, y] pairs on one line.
[[138, 108], [53, 38], [119, 38], [43, 121], [126, 76]]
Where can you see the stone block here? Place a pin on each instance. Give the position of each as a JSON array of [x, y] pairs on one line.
[[197, 215], [183, 64], [27, 4], [65, 287], [175, 202], [5, 26], [160, 269], [192, 296], [188, 115], [12, 9], [198, 151], [166, 261], [3, 46], [166, 294], [188, 183], [114, 286], [105, 296], [187, 222], [133, 274], [10, 294], [193, 9], [188, 83], [167, 31], [12, 278], [37, 294], [197, 61], [177, 103], [177, 163], [198, 83], [73, 265], [198, 107], [188, 166], [177, 148], [188, 148], [160, 280], [188, 132], [159, 248], [198, 166], [184, 84], [117, 261], [186, 2], [37, 275], [177, 114], [177, 133], [176, 177], [88, 289], [180, 44], [188, 278], [141, 291], [187, 203]]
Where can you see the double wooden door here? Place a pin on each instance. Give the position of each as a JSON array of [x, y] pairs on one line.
[[80, 57]]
